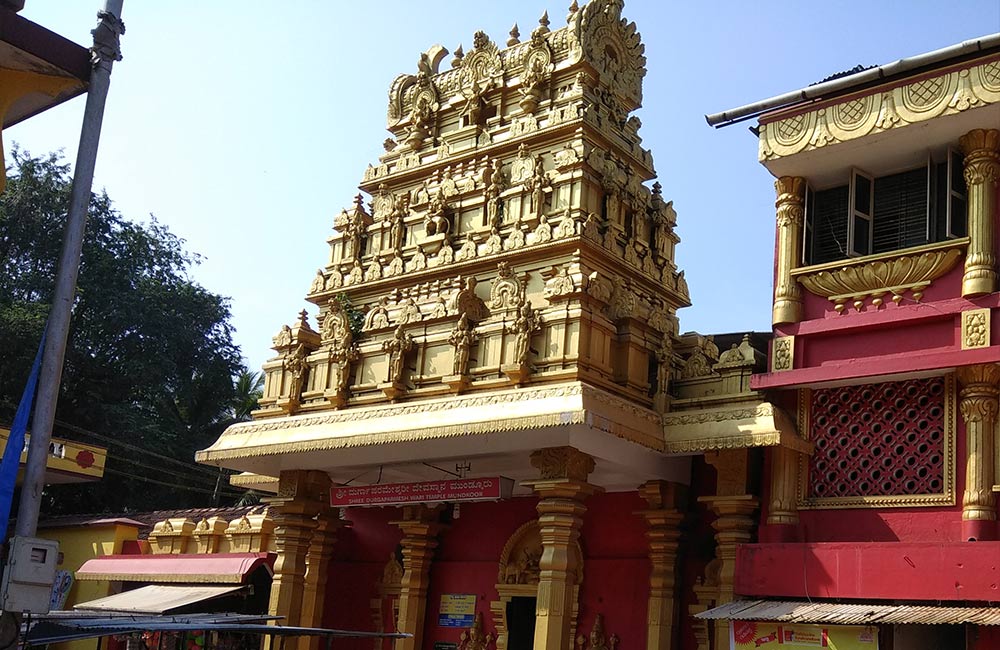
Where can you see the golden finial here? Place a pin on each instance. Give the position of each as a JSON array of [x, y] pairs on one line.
[[543, 23], [515, 36], [459, 55]]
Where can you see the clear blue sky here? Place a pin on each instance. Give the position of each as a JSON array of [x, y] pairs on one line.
[[246, 126]]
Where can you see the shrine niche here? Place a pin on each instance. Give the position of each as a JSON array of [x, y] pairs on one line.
[[385, 607], [518, 577]]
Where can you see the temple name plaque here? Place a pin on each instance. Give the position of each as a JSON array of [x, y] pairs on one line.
[[490, 488]]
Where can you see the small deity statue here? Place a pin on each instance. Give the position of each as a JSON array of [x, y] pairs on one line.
[[298, 369], [495, 184], [493, 244], [397, 231], [462, 337], [318, 283], [356, 276], [410, 313], [526, 324], [468, 249], [378, 317], [436, 222], [397, 347]]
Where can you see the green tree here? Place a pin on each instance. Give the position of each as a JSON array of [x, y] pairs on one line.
[[150, 362]]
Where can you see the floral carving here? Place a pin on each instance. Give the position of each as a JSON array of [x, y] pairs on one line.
[[858, 282]]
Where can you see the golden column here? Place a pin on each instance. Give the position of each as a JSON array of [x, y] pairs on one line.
[[734, 523], [782, 510], [562, 490], [790, 208], [982, 170], [324, 538], [420, 525], [978, 404], [663, 519], [301, 496]]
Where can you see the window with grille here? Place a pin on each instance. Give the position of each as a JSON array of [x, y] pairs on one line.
[[880, 444], [877, 215]]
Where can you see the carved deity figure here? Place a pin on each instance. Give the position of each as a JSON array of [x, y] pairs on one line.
[[526, 324], [354, 230], [374, 271], [494, 186], [462, 337], [418, 262], [377, 317], [318, 283], [298, 369], [559, 285], [493, 244], [514, 240], [436, 222], [468, 249], [592, 227], [467, 303], [664, 354], [356, 275], [410, 313], [397, 347], [542, 232], [474, 638], [397, 231], [566, 227], [395, 267], [536, 186], [283, 337]]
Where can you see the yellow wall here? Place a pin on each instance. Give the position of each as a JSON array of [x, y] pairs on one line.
[[79, 544]]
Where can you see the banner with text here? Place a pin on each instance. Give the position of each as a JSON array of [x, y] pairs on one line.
[[755, 635], [489, 488]]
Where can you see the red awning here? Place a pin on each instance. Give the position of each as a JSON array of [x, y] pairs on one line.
[[225, 568]]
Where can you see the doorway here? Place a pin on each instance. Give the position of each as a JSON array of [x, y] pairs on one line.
[[521, 623]]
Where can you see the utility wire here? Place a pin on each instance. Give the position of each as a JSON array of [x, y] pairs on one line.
[[125, 445], [189, 477], [172, 485]]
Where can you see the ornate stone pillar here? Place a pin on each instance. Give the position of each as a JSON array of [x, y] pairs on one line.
[[982, 171], [790, 208], [562, 490], [324, 538], [978, 404], [420, 525], [733, 526], [663, 519], [734, 523], [782, 510], [301, 496]]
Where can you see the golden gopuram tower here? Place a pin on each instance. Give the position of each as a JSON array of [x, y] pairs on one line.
[[501, 299]]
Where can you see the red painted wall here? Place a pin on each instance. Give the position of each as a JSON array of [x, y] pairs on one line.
[[616, 565], [362, 550], [881, 571]]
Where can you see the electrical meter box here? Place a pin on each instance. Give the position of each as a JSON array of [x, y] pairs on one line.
[[28, 576]]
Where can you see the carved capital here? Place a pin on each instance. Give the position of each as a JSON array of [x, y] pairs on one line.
[[789, 190], [982, 155], [984, 374], [562, 462]]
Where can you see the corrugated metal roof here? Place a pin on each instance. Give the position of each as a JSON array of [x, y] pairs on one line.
[[851, 614]]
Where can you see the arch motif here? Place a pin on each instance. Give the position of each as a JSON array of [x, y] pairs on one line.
[[517, 575]]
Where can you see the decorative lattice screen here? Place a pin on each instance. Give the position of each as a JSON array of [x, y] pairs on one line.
[[878, 440]]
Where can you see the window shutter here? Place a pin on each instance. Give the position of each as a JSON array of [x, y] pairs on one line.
[[859, 224], [807, 228], [957, 196], [829, 219], [900, 211]]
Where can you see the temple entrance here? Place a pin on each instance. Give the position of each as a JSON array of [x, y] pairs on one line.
[[517, 588], [521, 623]]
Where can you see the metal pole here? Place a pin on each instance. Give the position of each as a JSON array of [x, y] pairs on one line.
[[103, 54]]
